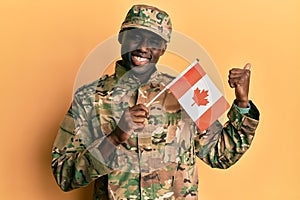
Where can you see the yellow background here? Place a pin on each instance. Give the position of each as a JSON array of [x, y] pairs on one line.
[[43, 43]]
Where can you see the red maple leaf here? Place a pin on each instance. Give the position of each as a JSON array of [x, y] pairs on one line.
[[200, 97]]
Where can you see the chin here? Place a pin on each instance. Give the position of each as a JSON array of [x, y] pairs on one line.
[[141, 69]]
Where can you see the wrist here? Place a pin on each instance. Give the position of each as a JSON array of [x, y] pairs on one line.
[[114, 139], [118, 136], [242, 103]]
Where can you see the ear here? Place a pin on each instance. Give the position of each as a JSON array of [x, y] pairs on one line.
[[163, 50], [120, 37]]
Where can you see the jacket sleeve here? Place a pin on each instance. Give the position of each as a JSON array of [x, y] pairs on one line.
[[76, 160], [222, 146]]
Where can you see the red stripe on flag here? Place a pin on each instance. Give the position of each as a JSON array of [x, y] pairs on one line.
[[184, 83], [212, 114]]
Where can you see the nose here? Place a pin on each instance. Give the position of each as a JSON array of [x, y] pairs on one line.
[[144, 45]]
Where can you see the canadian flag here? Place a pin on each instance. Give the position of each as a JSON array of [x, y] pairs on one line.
[[198, 95]]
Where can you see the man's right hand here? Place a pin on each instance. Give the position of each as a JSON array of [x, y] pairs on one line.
[[132, 119]]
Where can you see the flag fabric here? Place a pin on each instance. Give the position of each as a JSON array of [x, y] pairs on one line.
[[199, 96]]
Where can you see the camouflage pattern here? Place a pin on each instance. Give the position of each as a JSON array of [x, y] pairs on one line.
[[159, 165], [149, 18]]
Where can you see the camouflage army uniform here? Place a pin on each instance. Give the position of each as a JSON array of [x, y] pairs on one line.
[[156, 166]]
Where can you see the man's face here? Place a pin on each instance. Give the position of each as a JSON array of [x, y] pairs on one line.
[[141, 50]]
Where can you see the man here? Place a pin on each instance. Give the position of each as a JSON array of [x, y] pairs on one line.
[[136, 152]]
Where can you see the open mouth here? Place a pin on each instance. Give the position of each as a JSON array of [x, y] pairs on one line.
[[139, 61]]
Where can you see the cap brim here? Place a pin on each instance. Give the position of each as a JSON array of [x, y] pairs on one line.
[[146, 28]]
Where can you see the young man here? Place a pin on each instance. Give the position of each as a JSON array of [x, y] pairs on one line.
[[136, 152]]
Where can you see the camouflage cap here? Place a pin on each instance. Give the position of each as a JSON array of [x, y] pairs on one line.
[[149, 18]]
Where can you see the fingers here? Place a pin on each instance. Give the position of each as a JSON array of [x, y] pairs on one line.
[[238, 76], [234, 82], [135, 113], [139, 110], [138, 119], [247, 66], [238, 71], [138, 115], [133, 118], [235, 75]]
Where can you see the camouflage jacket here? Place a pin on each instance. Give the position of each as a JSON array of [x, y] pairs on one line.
[[160, 163]]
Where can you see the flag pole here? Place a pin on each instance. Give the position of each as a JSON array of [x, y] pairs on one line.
[[172, 82]]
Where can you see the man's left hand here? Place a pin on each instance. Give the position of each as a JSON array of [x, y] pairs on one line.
[[240, 80]]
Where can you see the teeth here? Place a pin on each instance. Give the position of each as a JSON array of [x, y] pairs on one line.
[[140, 58]]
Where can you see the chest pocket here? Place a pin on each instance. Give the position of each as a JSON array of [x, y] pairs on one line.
[[172, 135], [159, 140]]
